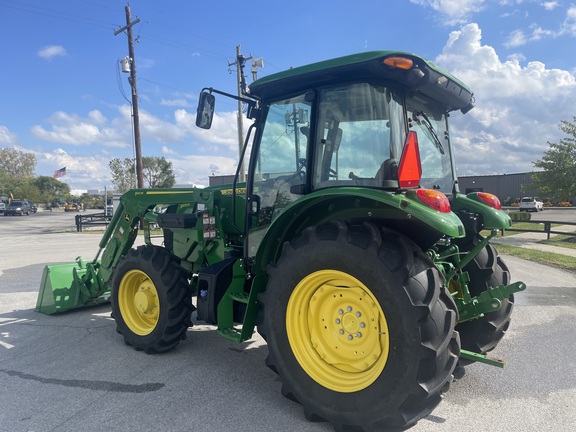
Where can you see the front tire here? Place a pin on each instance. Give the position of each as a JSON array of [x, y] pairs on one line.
[[359, 327], [151, 299], [483, 334]]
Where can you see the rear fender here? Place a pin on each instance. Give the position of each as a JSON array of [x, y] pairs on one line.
[[350, 203], [492, 218]]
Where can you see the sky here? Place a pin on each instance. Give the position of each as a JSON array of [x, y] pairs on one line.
[[64, 98]]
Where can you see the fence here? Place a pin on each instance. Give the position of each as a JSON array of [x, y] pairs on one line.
[[92, 220], [547, 227]]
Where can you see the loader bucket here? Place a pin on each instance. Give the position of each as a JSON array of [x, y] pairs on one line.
[[64, 287]]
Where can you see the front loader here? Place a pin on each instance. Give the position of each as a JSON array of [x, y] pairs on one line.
[[349, 247]]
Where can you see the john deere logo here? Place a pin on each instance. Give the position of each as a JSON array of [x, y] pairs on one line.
[[127, 217]]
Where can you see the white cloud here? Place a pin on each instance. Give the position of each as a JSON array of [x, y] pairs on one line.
[[515, 39], [203, 167], [550, 5], [51, 51], [454, 11], [567, 27], [180, 102], [168, 151], [540, 33], [155, 129], [569, 24], [74, 130], [517, 57], [7, 138], [517, 107], [82, 171], [196, 152], [223, 134]]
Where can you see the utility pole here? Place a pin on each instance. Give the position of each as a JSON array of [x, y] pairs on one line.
[[239, 63], [132, 81]]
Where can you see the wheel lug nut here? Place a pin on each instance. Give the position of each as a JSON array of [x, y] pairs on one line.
[[340, 311], [350, 337], [337, 320], [358, 314], [349, 308], [362, 325], [358, 335], [341, 331]]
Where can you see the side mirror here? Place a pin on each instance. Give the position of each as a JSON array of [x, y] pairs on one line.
[[205, 112]]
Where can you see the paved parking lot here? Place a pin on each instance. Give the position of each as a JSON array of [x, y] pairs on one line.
[[72, 372]]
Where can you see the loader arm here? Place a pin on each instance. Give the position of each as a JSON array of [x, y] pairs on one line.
[[79, 284]]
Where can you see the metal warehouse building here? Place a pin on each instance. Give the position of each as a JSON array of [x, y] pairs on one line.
[[504, 186]]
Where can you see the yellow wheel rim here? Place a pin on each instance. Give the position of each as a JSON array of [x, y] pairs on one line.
[[337, 331], [138, 302]]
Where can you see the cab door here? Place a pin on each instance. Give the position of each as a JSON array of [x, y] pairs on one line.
[[278, 165]]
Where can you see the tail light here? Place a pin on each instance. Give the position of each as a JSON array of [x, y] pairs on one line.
[[489, 199], [434, 199]]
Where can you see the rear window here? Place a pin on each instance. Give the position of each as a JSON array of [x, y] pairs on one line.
[[527, 199], [16, 203]]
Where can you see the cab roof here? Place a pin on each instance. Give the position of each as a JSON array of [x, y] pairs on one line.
[[424, 76]]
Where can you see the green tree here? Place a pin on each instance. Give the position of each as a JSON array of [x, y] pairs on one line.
[[17, 163], [558, 164], [50, 188], [157, 172], [123, 175], [16, 172], [24, 188]]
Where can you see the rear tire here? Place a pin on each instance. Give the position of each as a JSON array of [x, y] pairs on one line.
[[483, 334], [151, 299], [359, 327]]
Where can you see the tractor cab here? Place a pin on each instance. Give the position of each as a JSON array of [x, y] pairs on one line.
[[353, 135], [376, 121]]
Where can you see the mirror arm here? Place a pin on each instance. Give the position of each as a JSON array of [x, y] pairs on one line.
[[251, 102]]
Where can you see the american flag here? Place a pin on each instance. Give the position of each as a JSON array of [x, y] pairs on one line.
[[60, 173]]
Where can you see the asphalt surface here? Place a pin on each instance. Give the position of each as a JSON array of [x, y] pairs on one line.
[[73, 372]]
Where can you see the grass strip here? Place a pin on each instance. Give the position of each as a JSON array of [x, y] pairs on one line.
[[547, 258], [560, 240]]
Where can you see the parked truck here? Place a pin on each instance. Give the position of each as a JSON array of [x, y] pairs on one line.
[[349, 247]]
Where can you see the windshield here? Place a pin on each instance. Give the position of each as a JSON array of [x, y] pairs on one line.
[[430, 123]]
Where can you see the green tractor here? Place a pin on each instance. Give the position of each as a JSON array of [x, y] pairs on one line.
[[349, 246]]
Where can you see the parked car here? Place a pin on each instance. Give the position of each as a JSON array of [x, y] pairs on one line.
[[17, 207], [33, 208], [534, 204], [2, 207], [57, 203]]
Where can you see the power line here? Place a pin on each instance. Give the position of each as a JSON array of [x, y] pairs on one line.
[[183, 46], [28, 8], [53, 13], [119, 82]]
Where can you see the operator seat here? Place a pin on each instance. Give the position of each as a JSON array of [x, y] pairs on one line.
[[387, 174]]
